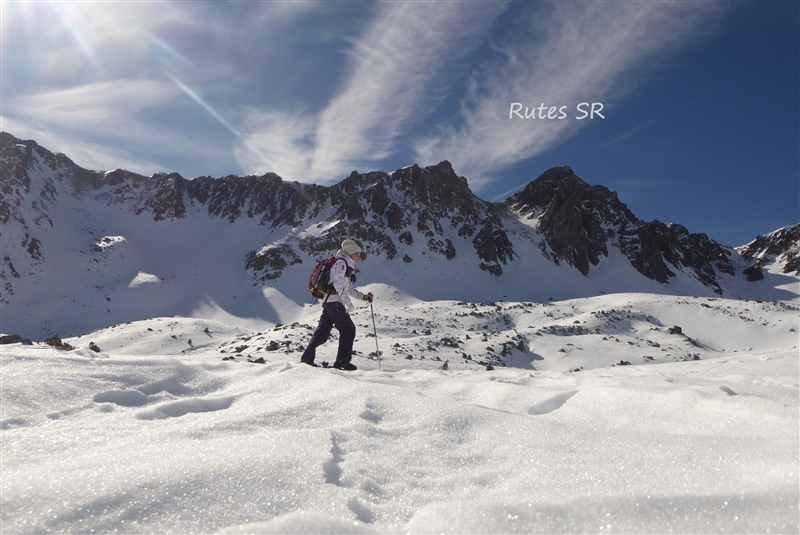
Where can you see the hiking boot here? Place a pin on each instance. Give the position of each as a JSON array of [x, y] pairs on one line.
[[310, 363], [346, 366]]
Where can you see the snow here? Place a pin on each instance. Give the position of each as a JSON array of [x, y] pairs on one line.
[[143, 278], [108, 242], [157, 434]]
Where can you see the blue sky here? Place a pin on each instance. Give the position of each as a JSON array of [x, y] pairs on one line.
[[701, 97]]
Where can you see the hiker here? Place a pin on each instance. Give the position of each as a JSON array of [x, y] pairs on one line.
[[337, 305]]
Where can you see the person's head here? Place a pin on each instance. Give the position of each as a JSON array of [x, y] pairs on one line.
[[352, 249]]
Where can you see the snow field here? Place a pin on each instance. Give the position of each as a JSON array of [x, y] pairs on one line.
[[154, 435]]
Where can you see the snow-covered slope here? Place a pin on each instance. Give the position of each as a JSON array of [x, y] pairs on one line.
[[82, 250], [156, 433]]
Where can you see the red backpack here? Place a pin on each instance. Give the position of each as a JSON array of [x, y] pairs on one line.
[[319, 283]]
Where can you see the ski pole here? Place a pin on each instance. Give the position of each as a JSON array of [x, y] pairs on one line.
[[375, 331]]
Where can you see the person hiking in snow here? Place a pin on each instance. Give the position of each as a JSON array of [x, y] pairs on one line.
[[336, 307]]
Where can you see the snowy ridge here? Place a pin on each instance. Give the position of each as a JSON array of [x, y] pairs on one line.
[[75, 242]]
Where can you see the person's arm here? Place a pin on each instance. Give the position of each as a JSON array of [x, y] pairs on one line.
[[338, 277], [341, 283], [357, 294]]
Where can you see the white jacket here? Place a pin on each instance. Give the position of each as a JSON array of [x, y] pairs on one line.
[[341, 282]]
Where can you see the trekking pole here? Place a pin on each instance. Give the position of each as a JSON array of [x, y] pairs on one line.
[[375, 331]]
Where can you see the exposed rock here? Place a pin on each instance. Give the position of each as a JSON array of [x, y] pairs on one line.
[[270, 261], [35, 248], [754, 273], [781, 246], [394, 218], [56, 342], [493, 247], [580, 221], [10, 339]]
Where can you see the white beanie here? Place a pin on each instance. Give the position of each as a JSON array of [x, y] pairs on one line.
[[351, 247]]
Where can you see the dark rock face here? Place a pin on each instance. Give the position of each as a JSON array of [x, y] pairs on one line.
[[56, 342], [10, 339], [34, 248], [493, 248], [572, 215], [754, 273], [276, 202], [659, 245], [782, 246], [426, 200], [579, 221], [269, 263]]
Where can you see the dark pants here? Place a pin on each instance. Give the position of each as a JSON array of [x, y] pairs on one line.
[[333, 315]]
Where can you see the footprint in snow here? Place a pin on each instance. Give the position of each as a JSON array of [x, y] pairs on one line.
[[332, 468], [125, 398], [551, 404], [175, 409], [373, 412]]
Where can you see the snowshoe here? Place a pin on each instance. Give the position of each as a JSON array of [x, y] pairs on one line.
[[346, 366]]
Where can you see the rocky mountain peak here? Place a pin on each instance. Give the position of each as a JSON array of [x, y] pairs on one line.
[[574, 216], [781, 246], [559, 188], [387, 211], [580, 221]]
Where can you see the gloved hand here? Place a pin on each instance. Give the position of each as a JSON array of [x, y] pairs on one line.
[[368, 297]]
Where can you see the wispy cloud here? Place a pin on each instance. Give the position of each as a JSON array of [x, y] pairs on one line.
[[392, 66], [120, 75], [86, 154], [91, 105], [278, 142], [102, 71], [568, 53], [109, 110]]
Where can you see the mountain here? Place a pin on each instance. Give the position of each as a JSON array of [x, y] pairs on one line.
[[777, 251], [579, 222], [82, 249]]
